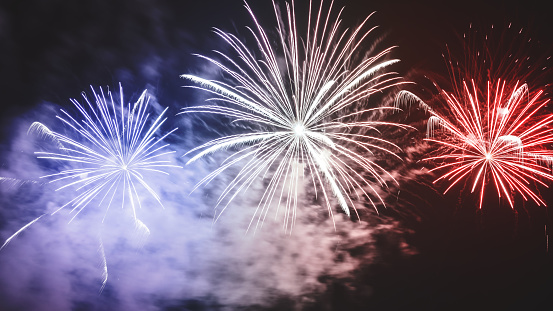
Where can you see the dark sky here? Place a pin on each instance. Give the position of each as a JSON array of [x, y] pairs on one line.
[[51, 48], [462, 258]]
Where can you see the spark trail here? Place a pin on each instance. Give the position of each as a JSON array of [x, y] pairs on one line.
[[13, 236], [304, 102], [15, 182]]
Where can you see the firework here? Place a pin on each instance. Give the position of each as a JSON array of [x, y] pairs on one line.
[[493, 131], [303, 100], [107, 152]]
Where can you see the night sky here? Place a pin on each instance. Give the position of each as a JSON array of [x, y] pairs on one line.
[[426, 251]]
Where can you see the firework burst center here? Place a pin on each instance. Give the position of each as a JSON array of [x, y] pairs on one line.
[[300, 130]]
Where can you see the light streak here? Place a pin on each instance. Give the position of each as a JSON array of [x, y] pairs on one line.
[[8, 240]]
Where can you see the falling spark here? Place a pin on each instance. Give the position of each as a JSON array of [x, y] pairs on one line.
[[8, 240], [16, 183], [303, 99], [104, 266]]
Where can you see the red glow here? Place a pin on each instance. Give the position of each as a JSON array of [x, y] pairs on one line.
[[493, 135]]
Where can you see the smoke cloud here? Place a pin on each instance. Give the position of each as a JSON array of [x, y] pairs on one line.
[[185, 258]]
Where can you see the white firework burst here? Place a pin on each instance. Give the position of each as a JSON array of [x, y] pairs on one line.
[[305, 102]]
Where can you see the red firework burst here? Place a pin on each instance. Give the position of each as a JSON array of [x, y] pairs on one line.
[[496, 136], [494, 130]]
